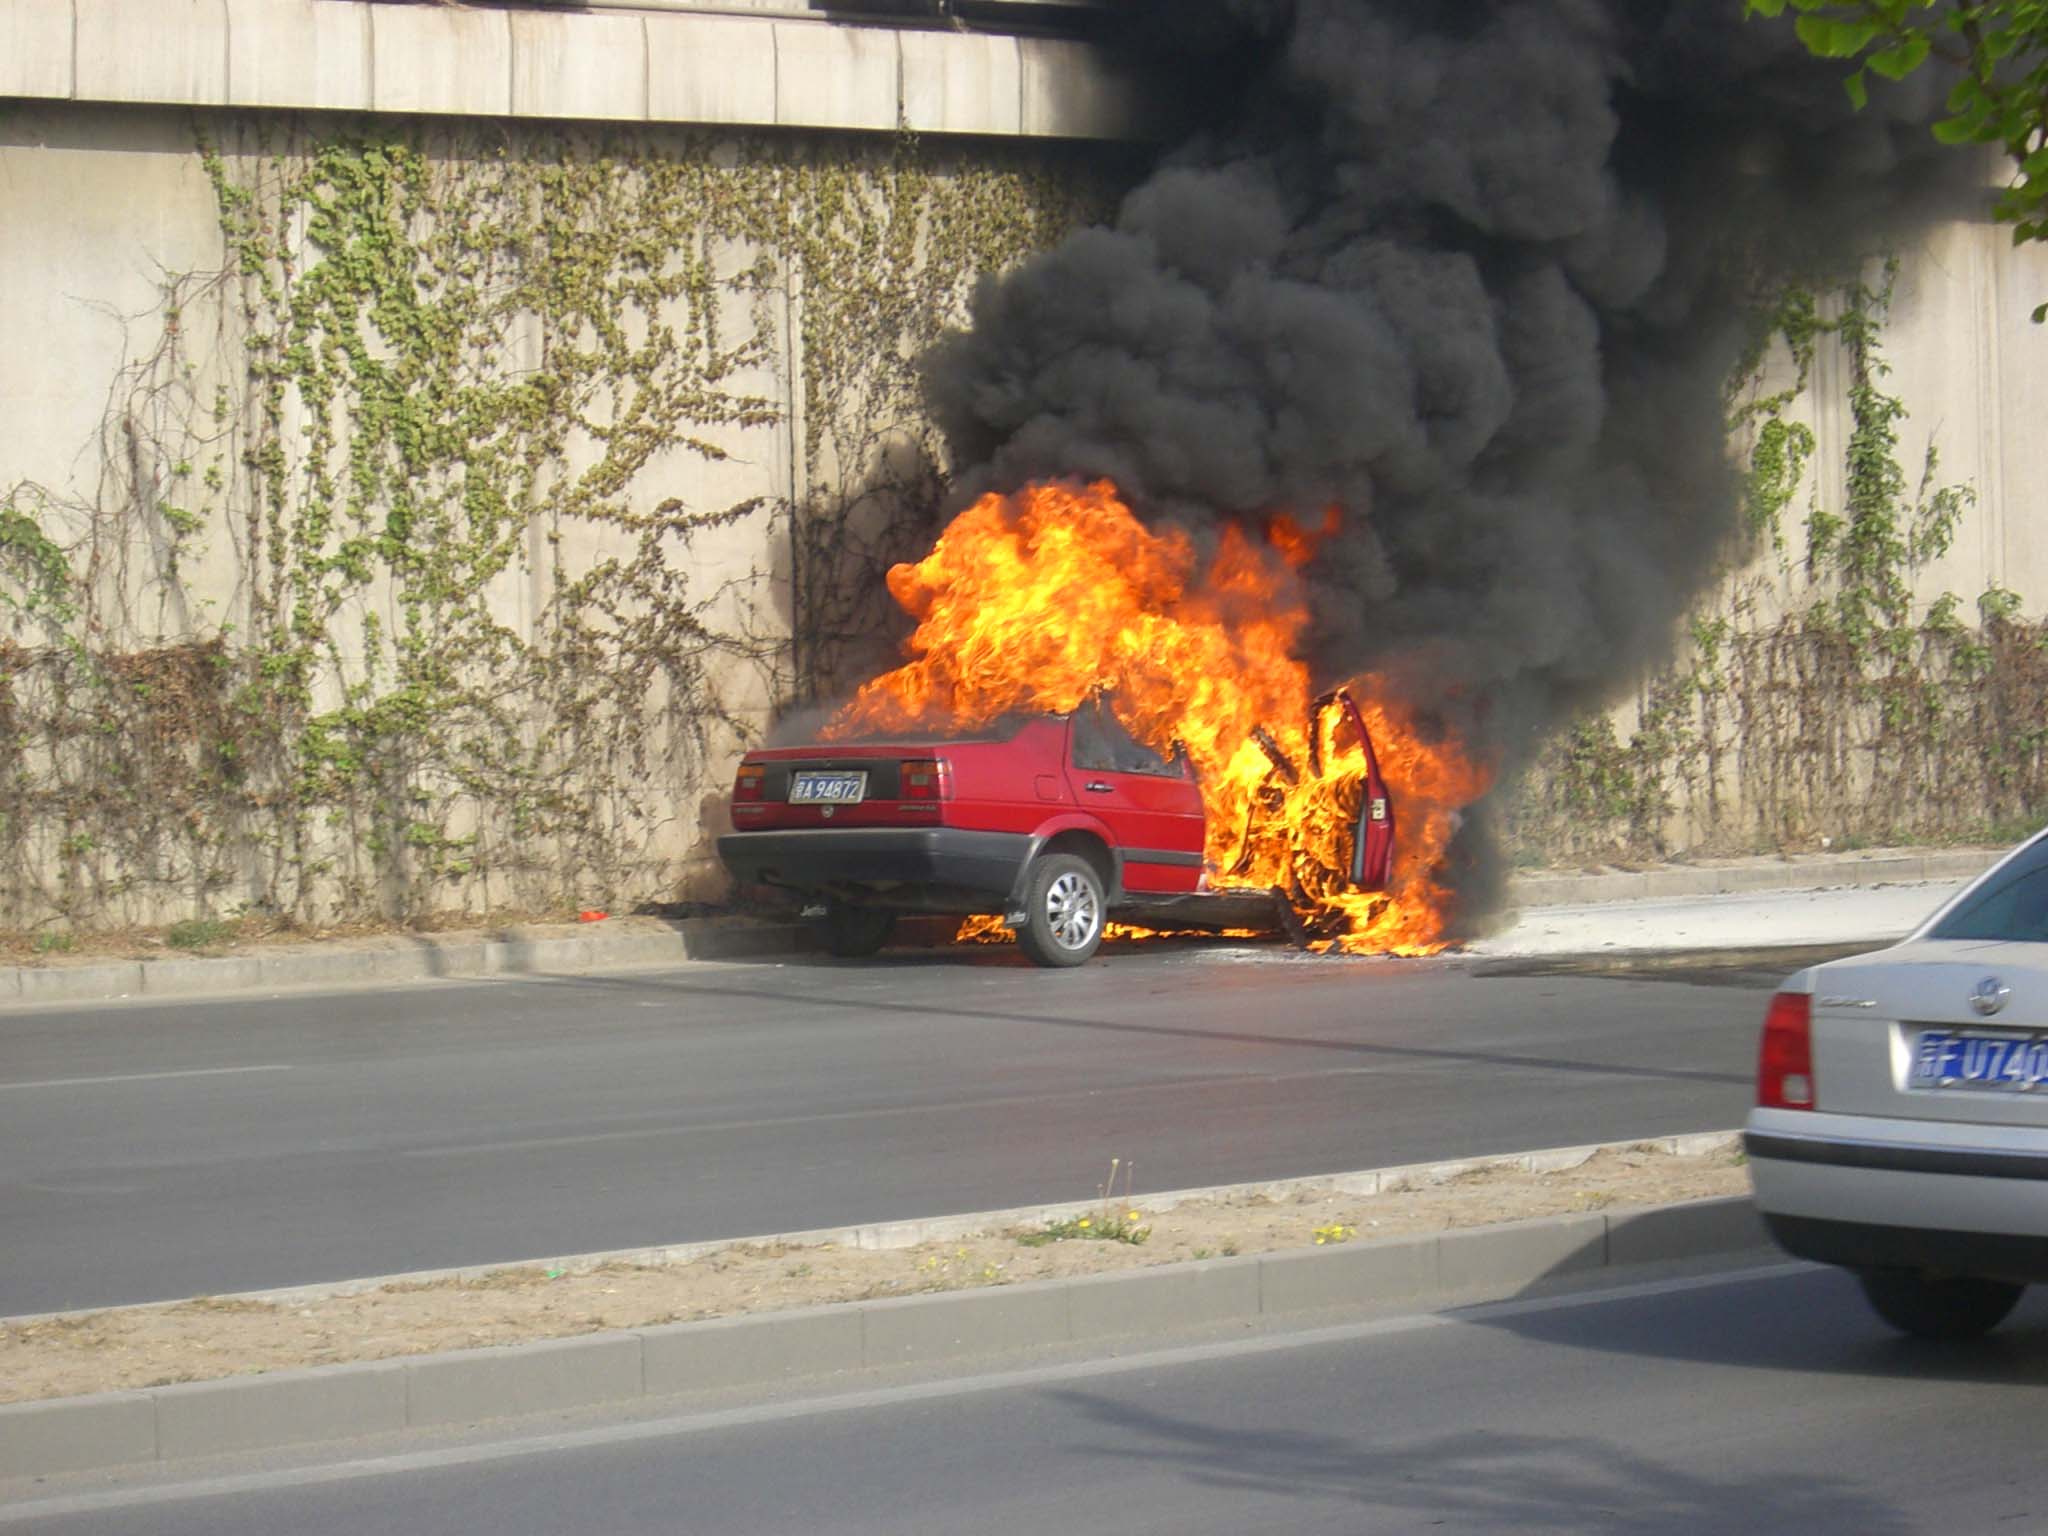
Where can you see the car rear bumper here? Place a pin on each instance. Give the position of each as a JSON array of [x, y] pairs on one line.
[[1875, 1193], [936, 861]]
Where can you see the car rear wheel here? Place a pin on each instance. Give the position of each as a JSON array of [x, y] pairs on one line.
[[1062, 911], [1939, 1306], [852, 932]]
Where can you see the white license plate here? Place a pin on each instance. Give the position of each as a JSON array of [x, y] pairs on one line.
[[1946, 1058], [827, 788]]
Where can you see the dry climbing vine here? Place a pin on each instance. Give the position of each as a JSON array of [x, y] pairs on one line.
[[450, 536], [1823, 699]]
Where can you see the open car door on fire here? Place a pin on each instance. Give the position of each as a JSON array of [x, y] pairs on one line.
[[1372, 843]]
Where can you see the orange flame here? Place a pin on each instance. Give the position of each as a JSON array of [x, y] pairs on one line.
[[1039, 600]]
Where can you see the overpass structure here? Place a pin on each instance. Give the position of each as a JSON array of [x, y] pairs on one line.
[[992, 67]]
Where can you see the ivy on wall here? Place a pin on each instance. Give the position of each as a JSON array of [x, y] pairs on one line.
[[1820, 702], [450, 536]]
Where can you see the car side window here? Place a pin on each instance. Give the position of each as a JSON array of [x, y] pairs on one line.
[[1102, 743], [1091, 742], [2012, 908]]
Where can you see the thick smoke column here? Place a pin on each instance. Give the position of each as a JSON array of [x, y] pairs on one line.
[[1473, 271]]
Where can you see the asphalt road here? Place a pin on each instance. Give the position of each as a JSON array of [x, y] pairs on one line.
[[154, 1151], [1734, 1404]]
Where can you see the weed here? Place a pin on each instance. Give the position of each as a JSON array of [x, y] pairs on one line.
[[1115, 1220], [1334, 1232], [54, 943], [198, 933], [1105, 1229]]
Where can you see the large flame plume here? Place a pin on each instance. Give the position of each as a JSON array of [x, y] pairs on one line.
[[1039, 600]]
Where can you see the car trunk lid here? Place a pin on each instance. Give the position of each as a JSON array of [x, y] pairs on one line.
[[1935, 1030]]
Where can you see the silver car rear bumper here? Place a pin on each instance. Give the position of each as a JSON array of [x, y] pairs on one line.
[[1876, 1193]]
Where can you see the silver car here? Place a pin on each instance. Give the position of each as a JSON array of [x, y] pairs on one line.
[[1901, 1127]]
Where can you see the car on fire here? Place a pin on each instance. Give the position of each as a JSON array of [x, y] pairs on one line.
[[1053, 823], [1901, 1127]]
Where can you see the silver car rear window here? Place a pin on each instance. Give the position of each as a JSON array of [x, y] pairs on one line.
[[2011, 907]]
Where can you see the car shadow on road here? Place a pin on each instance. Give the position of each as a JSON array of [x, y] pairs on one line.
[[1811, 1320], [1475, 1479]]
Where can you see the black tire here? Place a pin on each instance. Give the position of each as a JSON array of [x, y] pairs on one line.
[[852, 933], [1063, 911], [1939, 1306]]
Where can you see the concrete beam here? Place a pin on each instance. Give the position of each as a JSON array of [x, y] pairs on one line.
[[430, 59], [171, 51], [770, 69], [961, 85], [709, 69], [579, 66], [35, 48], [299, 53], [835, 77]]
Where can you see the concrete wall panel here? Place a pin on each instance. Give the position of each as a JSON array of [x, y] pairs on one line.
[[298, 53], [732, 70], [961, 84], [174, 51], [710, 69], [35, 48], [835, 77], [1069, 91], [426, 59], [578, 66]]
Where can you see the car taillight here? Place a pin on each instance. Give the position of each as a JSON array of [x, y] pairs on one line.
[[926, 778], [748, 785], [1784, 1065]]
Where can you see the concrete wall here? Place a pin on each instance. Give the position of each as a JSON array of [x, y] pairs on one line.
[[1789, 751], [125, 314]]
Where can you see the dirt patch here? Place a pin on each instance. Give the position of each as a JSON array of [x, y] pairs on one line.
[[229, 1336]]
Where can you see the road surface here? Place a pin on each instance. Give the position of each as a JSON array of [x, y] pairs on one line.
[[150, 1151]]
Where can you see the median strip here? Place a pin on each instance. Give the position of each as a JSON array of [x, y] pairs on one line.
[[222, 1374]]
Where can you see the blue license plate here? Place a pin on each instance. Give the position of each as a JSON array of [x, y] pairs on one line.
[[827, 788], [1944, 1058]]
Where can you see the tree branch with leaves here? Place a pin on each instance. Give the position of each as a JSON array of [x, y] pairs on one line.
[[1998, 50]]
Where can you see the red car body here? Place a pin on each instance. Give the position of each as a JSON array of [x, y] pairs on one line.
[[1049, 822]]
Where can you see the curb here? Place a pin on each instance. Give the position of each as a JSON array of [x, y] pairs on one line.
[[425, 957], [302, 1407], [1884, 866], [878, 1236]]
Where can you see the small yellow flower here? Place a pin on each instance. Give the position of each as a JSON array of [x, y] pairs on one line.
[[1132, 1215], [1082, 1222]]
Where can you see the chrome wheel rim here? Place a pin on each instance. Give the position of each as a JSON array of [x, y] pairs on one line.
[[1072, 912]]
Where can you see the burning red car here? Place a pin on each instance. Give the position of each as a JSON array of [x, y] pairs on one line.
[[1052, 823], [1183, 772]]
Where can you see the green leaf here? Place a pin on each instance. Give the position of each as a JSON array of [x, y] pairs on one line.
[[1834, 39], [1959, 130], [1859, 94], [1899, 61]]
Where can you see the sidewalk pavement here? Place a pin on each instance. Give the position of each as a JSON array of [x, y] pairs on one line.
[[1871, 895]]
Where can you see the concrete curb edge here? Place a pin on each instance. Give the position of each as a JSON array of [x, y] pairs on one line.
[[435, 956], [427, 957], [302, 1407]]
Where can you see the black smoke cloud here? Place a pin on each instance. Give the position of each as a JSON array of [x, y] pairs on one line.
[[1476, 271]]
